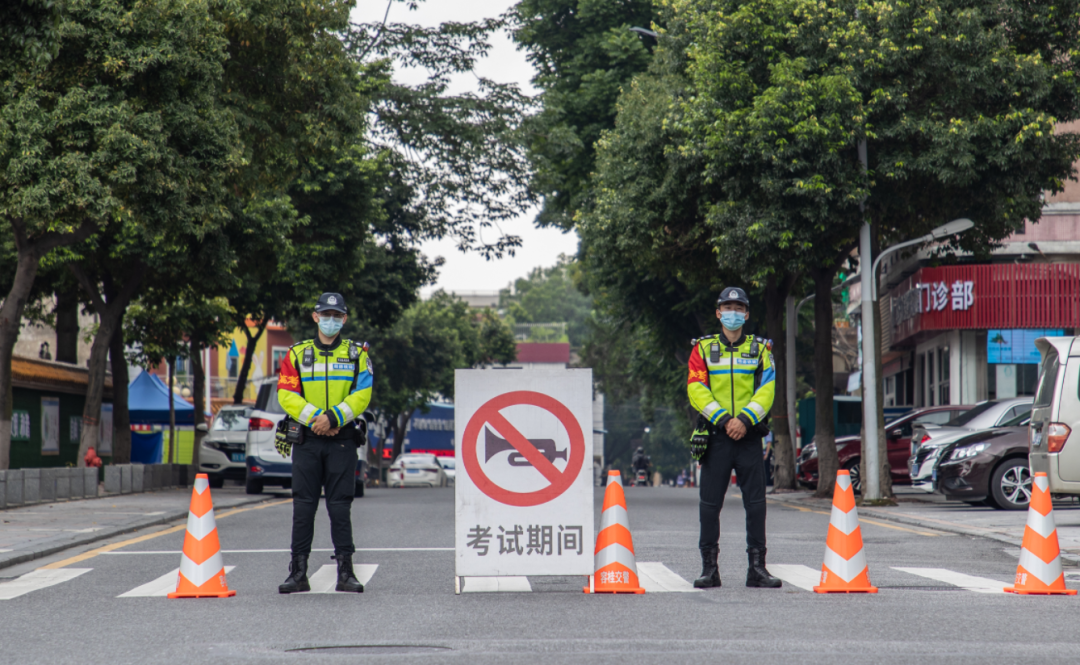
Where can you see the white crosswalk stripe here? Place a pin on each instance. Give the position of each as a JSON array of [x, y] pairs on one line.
[[655, 577], [38, 579], [803, 577], [495, 584], [325, 579], [969, 582], [161, 587]]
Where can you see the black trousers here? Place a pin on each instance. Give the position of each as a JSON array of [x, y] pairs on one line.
[[318, 464], [744, 456]]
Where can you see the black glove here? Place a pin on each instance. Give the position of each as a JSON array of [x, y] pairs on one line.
[[699, 442]]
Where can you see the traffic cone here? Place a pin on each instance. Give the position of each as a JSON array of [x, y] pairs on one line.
[[616, 567], [1039, 571], [844, 569], [202, 571]]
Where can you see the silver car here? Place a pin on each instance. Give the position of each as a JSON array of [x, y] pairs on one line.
[[221, 456], [416, 470], [928, 440], [1054, 436]]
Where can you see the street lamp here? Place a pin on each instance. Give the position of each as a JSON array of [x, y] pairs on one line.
[[871, 486]]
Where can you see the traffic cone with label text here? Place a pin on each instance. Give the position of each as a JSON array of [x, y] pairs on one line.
[[1039, 571], [616, 566], [202, 570], [844, 569]]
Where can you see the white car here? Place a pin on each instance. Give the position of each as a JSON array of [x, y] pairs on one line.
[[222, 453], [416, 470], [448, 467]]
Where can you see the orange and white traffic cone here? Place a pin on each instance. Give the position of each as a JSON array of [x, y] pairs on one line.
[[616, 566], [202, 571], [1039, 572], [844, 569]]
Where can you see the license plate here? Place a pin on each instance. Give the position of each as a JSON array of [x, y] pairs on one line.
[[238, 457], [412, 470]]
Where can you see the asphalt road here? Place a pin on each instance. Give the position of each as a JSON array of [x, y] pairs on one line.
[[410, 600]]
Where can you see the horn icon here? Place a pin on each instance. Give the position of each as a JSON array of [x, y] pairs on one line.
[[494, 444]]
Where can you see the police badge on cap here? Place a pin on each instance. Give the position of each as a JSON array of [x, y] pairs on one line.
[[331, 301], [733, 294]]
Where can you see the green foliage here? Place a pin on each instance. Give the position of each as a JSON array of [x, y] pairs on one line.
[[157, 330], [28, 32], [550, 295], [584, 53]]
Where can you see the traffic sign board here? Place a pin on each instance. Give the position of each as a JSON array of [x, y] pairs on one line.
[[490, 414]]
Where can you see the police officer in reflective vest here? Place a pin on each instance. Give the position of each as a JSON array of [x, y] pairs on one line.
[[324, 386], [731, 383]]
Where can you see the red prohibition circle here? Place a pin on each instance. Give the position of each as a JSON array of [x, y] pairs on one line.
[[491, 409]]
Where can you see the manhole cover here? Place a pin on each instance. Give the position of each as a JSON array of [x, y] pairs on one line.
[[373, 649]]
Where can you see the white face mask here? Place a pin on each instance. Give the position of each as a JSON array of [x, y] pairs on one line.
[[330, 325]]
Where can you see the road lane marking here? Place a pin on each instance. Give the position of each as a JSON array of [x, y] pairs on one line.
[[286, 551], [495, 584], [969, 582], [325, 579], [161, 587], [38, 579], [800, 576], [655, 577], [78, 558], [862, 520]]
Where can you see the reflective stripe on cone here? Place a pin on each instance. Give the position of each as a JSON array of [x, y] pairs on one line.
[[1039, 571]]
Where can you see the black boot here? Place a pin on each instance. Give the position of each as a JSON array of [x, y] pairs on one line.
[[297, 580], [346, 580], [756, 575], [710, 572]]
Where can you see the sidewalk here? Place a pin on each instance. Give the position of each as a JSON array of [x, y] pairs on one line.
[[932, 511], [36, 531]]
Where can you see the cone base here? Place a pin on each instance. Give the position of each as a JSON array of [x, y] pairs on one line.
[[1045, 592], [203, 594], [633, 591], [869, 589]]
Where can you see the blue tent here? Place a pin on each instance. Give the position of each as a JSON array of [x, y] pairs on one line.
[[148, 402]]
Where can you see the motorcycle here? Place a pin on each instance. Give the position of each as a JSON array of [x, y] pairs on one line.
[[642, 479]]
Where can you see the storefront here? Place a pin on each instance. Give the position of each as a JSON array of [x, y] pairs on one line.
[[965, 333]]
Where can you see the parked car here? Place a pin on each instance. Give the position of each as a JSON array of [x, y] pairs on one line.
[[1055, 419], [898, 435], [222, 455], [928, 440], [416, 470], [265, 466], [989, 466], [448, 465], [984, 415]]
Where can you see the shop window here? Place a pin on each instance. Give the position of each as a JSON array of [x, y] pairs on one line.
[[943, 375], [1027, 379], [232, 364], [890, 390]]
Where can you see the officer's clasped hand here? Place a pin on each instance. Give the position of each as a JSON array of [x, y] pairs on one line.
[[735, 429], [321, 426]]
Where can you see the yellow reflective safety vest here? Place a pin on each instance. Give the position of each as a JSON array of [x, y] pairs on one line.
[[334, 379], [732, 380]]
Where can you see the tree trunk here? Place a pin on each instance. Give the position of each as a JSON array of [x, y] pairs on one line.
[[776, 292], [109, 316], [198, 395], [121, 416], [249, 352], [10, 323], [824, 429], [67, 328], [173, 456]]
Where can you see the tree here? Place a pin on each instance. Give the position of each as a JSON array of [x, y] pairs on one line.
[[550, 295], [584, 53], [119, 125], [415, 358], [957, 100]]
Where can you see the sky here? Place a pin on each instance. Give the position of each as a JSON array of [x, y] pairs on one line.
[[539, 247]]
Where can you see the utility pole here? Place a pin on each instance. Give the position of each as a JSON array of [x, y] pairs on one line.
[[871, 471]]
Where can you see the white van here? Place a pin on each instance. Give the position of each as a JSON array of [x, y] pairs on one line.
[[1054, 434]]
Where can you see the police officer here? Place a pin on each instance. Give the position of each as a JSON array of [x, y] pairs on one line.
[[731, 383], [325, 385]]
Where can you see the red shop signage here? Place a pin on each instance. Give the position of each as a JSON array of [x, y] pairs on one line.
[[989, 296]]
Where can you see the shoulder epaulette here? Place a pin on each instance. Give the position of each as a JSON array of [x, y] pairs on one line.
[[306, 341]]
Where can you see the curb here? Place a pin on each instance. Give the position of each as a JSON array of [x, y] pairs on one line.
[[16, 558], [880, 514]]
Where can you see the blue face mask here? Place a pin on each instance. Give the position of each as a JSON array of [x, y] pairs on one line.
[[732, 320], [331, 325]]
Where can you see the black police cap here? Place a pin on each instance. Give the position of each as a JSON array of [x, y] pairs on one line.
[[733, 294], [331, 301]]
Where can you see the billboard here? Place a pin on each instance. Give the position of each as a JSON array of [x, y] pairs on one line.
[[1016, 347]]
